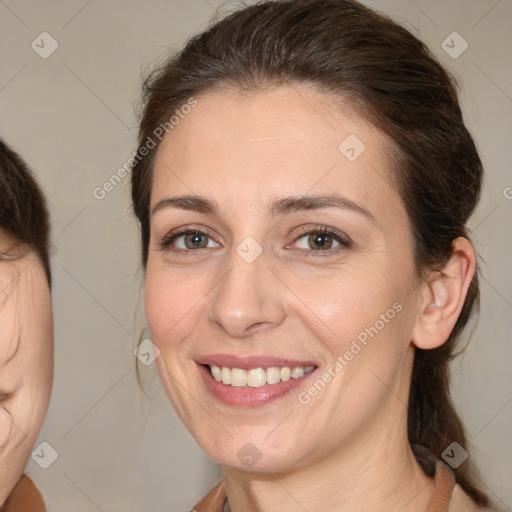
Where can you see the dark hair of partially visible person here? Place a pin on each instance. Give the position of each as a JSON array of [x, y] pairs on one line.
[[23, 210], [363, 59]]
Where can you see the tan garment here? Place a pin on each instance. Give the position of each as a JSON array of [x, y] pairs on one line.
[[25, 497], [215, 500]]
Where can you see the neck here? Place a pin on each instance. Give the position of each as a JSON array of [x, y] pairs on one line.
[[374, 471]]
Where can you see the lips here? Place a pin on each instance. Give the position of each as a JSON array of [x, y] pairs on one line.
[[254, 380]]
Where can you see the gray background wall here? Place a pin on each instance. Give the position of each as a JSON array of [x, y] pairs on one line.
[[72, 117]]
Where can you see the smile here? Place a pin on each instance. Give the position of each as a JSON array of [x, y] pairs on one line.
[[257, 377], [252, 381]]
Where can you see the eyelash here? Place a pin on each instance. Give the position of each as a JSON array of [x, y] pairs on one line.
[[344, 241]]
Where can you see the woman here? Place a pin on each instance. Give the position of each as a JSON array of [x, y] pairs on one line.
[[303, 183], [26, 337]]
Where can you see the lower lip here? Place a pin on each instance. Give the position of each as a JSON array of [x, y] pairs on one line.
[[248, 396]]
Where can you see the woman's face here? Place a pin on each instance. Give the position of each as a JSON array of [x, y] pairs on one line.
[[26, 357], [265, 290]]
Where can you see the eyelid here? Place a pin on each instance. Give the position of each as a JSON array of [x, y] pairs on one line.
[[14, 252], [325, 230], [7, 257]]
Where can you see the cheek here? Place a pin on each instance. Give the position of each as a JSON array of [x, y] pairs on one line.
[[9, 328], [169, 305], [39, 351], [156, 314], [9, 337], [346, 302], [30, 375], [363, 325], [5, 427]]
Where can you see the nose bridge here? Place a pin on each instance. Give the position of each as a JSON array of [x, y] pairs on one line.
[[247, 294]]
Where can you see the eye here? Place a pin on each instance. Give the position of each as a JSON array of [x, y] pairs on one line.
[[12, 251], [188, 239], [321, 239]]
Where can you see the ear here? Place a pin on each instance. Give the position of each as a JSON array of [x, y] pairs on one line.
[[443, 296]]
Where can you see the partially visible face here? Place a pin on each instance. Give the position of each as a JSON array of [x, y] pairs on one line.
[[26, 357], [261, 294]]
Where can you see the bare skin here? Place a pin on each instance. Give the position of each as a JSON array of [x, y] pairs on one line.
[[26, 357], [346, 448]]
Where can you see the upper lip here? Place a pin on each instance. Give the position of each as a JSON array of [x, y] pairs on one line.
[[249, 362]]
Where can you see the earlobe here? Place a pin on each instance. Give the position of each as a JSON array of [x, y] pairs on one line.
[[443, 297]]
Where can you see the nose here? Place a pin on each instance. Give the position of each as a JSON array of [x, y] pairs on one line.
[[248, 298]]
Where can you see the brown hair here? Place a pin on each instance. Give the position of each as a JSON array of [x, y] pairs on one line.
[[23, 211], [392, 80]]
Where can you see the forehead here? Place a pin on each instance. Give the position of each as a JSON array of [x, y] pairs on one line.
[[287, 140]]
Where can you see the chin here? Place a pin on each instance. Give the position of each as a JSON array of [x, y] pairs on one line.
[[255, 453]]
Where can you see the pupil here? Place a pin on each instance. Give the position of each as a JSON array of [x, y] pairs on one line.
[[195, 239], [319, 240]]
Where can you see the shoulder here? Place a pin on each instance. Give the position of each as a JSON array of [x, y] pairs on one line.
[[25, 497], [214, 501]]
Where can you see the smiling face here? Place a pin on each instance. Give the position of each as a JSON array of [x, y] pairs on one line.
[[299, 259], [26, 357]]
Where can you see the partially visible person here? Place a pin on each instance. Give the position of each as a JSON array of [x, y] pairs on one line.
[[26, 329]]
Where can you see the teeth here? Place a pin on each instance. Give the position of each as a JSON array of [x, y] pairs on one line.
[[257, 377], [285, 373], [238, 377], [297, 372], [273, 375], [216, 372], [225, 375]]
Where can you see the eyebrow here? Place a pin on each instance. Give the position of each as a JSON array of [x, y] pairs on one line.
[[280, 206]]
